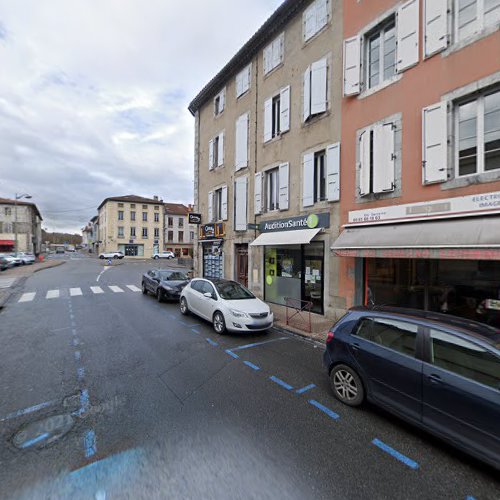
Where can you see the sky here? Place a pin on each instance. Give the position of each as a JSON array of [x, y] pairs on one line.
[[94, 96]]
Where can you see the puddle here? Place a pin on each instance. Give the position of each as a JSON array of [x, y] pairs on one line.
[[43, 432]]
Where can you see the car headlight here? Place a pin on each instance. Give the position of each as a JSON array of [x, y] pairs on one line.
[[238, 314]]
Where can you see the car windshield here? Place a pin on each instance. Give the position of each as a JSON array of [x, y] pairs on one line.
[[173, 276], [230, 290]]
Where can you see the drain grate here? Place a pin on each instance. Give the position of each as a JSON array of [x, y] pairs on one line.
[[43, 432]]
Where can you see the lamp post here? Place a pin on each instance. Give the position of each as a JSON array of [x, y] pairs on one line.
[[17, 197]]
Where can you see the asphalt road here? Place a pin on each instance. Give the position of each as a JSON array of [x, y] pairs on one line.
[[152, 404]]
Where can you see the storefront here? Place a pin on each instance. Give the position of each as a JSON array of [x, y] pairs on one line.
[[212, 241], [294, 259], [131, 250]]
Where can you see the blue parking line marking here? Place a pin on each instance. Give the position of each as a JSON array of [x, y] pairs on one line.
[[194, 330], [231, 353], [306, 388], [324, 409], [196, 324], [89, 444], [280, 382], [33, 441], [399, 456], [210, 341], [470, 497], [251, 365], [80, 373], [247, 346]]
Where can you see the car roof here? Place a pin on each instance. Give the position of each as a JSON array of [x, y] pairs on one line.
[[470, 327]]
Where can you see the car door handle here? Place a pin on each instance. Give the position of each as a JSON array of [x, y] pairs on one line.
[[435, 379], [355, 346]]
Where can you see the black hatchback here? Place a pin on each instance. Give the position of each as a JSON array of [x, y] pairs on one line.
[[439, 372], [165, 284]]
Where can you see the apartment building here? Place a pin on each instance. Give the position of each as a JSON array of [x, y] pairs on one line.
[[179, 234], [28, 220], [267, 159], [131, 224], [420, 198]]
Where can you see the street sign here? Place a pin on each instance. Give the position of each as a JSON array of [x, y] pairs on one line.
[[252, 226], [194, 218]]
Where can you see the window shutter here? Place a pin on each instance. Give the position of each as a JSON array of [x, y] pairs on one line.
[[352, 65], [222, 100], [257, 209], [434, 143], [308, 180], [220, 152], [210, 206], [246, 78], [277, 51], [268, 119], [283, 180], [407, 35], [383, 158], [333, 172], [435, 26], [309, 19], [267, 57], [364, 163], [240, 204], [239, 84], [321, 14], [285, 109], [224, 203], [241, 146], [307, 93], [210, 154], [318, 86]]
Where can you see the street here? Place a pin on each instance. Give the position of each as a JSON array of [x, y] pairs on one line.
[[153, 404]]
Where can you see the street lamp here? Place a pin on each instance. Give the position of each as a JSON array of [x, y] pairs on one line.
[[17, 197]]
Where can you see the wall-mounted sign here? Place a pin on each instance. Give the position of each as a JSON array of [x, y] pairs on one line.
[[252, 226], [310, 221], [215, 230], [194, 218]]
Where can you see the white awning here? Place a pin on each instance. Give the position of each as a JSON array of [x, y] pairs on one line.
[[298, 237]]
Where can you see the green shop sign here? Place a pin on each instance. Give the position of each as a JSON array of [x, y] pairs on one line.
[[310, 221]]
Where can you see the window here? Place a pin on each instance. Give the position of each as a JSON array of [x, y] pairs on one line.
[[132, 205], [181, 222], [157, 217], [218, 204], [314, 18], [132, 215], [272, 189], [180, 235], [191, 235], [243, 80], [381, 54], [478, 142], [273, 54], [170, 221], [157, 207], [8, 211], [277, 114], [315, 89], [396, 335], [241, 143], [120, 214], [219, 102], [144, 207], [157, 232], [120, 232], [240, 203], [170, 236], [144, 216], [216, 151], [120, 205], [464, 358], [319, 176], [275, 189], [144, 232], [132, 232], [472, 16]]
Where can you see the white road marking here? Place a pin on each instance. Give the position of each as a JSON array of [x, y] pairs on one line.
[[133, 288], [6, 282], [103, 271], [75, 291], [97, 289], [116, 289], [52, 294], [27, 297]]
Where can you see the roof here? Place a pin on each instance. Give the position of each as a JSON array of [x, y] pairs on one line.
[[131, 198], [7, 201], [271, 28], [176, 209]]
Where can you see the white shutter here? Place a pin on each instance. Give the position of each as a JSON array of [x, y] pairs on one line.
[[210, 206], [383, 158], [364, 163], [239, 84], [407, 35], [268, 57], [268, 119], [240, 204], [220, 152], [257, 208], [434, 143], [308, 180], [321, 14], [309, 20], [435, 26], [283, 180], [241, 146], [224, 203], [307, 93], [318, 86], [222, 100], [333, 172], [352, 65], [285, 109], [210, 154]]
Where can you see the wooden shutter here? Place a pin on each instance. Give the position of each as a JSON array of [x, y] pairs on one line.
[[239, 84], [321, 14], [222, 101], [308, 180], [285, 109], [257, 205], [267, 58], [364, 163], [307, 94], [318, 86], [210, 154], [435, 26], [283, 181], [220, 152], [434, 143], [268, 119], [407, 35], [240, 204], [241, 145], [210, 206], [333, 172], [224, 203], [352, 65], [383, 158], [309, 20]]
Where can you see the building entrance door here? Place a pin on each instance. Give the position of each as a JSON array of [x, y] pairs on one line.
[[131, 250], [242, 264]]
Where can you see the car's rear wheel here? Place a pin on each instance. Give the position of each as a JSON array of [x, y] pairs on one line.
[[347, 386], [101, 256], [184, 306], [219, 323], [115, 256], [159, 295], [144, 289], [156, 257]]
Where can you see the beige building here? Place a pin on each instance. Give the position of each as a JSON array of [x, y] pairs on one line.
[[267, 154], [179, 234], [130, 224]]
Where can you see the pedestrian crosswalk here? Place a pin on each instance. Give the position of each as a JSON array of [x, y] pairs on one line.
[[77, 292], [6, 282]]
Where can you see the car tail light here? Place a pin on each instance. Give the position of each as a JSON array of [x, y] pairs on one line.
[[329, 337]]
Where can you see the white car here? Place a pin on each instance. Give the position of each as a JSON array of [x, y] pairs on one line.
[[10, 257], [26, 258], [111, 255], [163, 255], [228, 305]]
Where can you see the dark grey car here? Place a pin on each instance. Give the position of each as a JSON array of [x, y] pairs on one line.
[[165, 284]]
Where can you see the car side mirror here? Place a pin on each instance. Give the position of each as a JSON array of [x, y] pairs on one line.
[[208, 295]]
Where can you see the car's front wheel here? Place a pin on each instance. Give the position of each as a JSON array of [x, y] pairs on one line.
[[219, 323], [159, 295], [144, 288], [101, 256], [156, 257], [184, 306], [347, 385]]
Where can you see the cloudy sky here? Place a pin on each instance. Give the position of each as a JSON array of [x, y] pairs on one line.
[[94, 95]]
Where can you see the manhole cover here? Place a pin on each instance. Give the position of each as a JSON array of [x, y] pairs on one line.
[[43, 432]]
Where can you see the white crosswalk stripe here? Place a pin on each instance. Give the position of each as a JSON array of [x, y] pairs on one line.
[[75, 292], [133, 288], [27, 297], [96, 289], [6, 282], [115, 289], [52, 294]]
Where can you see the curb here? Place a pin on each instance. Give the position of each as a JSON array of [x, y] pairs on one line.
[[302, 336]]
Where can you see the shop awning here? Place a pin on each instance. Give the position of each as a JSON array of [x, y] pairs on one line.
[[7, 242], [298, 237], [471, 238]]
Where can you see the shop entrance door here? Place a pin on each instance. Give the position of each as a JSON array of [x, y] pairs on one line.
[[131, 250], [313, 282], [242, 264]]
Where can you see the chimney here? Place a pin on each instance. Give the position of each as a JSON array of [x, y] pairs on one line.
[[155, 197]]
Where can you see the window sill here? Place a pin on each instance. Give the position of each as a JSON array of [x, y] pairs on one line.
[[270, 72], [460, 44], [316, 35], [315, 118], [380, 86], [469, 180]]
